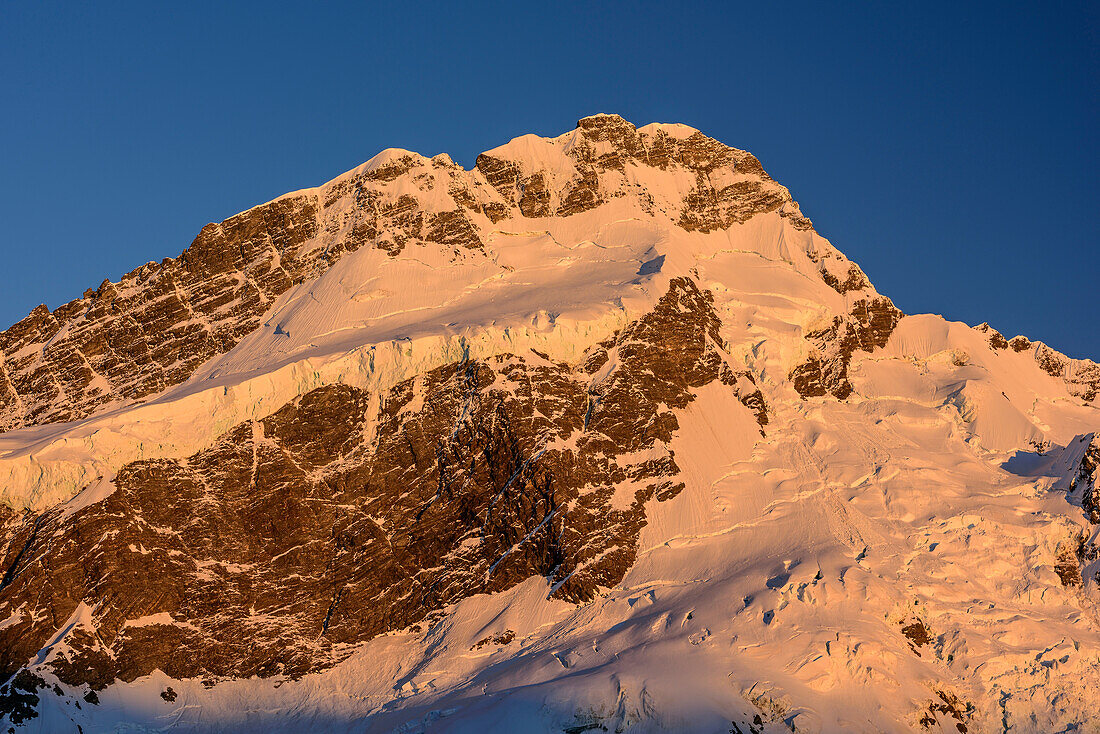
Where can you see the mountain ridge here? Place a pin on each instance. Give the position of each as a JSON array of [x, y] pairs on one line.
[[601, 428], [31, 376]]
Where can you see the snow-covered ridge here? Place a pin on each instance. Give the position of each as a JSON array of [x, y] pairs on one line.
[[914, 552], [125, 341], [300, 281]]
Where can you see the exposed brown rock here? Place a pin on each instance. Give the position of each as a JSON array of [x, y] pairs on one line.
[[1082, 376], [996, 340], [607, 143], [535, 197], [867, 327], [531, 194], [453, 229], [405, 220], [1067, 566], [706, 208], [495, 211], [917, 633], [583, 194], [330, 522], [1020, 343], [855, 281], [1085, 481], [502, 175], [151, 330], [503, 638], [613, 129], [948, 704], [1050, 361], [393, 169]]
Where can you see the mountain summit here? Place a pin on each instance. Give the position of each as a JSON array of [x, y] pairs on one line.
[[599, 435]]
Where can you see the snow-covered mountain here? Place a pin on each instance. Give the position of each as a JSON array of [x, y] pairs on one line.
[[599, 435]]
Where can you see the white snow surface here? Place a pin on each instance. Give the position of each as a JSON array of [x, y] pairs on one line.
[[776, 585]]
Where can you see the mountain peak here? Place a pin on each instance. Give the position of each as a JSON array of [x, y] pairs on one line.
[[605, 402], [603, 122]]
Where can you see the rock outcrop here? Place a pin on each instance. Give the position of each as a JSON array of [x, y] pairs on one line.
[[1084, 483], [1082, 376], [158, 323], [345, 515], [825, 372]]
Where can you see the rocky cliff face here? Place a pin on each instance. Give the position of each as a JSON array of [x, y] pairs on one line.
[[337, 518], [866, 327], [1085, 477], [153, 328]]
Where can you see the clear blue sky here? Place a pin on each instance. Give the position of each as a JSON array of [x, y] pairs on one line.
[[949, 148]]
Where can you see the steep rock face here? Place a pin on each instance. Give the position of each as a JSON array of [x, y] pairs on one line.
[[996, 339], [130, 340], [341, 517], [854, 280], [1085, 479], [1082, 376], [154, 327], [868, 326]]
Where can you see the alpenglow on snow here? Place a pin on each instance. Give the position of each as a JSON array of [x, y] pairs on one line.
[[598, 435]]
